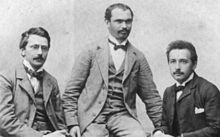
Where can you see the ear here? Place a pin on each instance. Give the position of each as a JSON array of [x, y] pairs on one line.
[[107, 22], [22, 52]]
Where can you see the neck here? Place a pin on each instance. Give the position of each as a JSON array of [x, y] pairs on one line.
[[117, 41], [187, 80], [27, 64], [120, 41]]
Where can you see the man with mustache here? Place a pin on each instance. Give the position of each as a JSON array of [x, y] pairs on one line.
[[100, 97], [191, 107], [30, 104]]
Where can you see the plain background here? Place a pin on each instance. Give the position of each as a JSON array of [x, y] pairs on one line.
[[74, 23]]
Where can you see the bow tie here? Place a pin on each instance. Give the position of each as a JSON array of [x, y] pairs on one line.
[[179, 88], [37, 75], [124, 47]]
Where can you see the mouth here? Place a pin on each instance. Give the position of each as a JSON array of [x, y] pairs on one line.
[[123, 32], [178, 74], [39, 59]]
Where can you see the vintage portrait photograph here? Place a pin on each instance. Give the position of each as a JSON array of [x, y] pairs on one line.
[[109, 68]]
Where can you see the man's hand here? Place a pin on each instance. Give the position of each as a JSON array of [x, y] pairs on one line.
[[58, 133], [75, 131], [45, 132], [158, 134], [166, 135]]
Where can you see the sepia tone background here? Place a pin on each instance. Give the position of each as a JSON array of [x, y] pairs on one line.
[[74, 23]]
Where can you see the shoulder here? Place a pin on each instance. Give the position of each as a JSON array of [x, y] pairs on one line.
[[169, 89], [90, 49], [50, 78], [97, 44], [206, 87], [9, 74], [137, 52]]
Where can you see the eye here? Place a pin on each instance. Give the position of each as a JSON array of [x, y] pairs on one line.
[[184, 61], [119, 21], [172, 61], [45, 48], [35, 46], [128, 21]]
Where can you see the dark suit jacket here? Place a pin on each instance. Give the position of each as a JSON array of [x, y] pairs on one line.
[[17, 103], [86, 91], [198, 94]]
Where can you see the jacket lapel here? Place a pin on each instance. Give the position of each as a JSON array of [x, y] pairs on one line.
[[130, 59], [102, 59], [47, 87], [24, 81], [186, 92]]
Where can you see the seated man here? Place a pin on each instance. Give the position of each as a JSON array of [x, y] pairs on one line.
[[191, 107], [100, 97], [30, 104]]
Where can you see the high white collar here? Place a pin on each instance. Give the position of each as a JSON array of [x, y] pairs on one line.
[[28, 65], [113, 39]]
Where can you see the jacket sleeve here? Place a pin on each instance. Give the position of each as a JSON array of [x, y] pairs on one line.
[[59, 110], [211, 99], [165, 117], [148, 92], [74, 87], [10, 125]]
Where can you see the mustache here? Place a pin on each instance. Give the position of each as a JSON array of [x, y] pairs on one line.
[[39, 57], [178, 72], [123, 30]]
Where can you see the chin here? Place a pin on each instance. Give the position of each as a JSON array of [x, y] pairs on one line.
[[37, 66], [179, 80]]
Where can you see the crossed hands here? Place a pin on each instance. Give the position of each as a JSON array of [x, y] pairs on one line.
[[74, 132], [58, 133], [160, 134]]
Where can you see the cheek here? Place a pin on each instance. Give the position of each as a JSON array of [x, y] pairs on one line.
[[116, 27], [172, 68], [129, 26], [45, 54]]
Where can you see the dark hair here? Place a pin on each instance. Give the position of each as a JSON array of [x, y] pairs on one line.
[[108, 12], [181, 44], [33, 31]]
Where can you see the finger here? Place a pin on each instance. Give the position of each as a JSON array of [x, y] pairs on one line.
[[63, 132], [78, 133], [72, 134]]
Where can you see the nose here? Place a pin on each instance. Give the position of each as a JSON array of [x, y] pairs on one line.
[[39, 51], [177, 65], [123, 24]]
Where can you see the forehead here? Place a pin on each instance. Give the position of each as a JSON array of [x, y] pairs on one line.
[[36, 39], [180, 54], [119, 13]]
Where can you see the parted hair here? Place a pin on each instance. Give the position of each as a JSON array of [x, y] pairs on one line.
[[181, 44], [108, 12], [33, 31]]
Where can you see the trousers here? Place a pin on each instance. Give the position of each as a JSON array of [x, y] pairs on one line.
[[120, 124]]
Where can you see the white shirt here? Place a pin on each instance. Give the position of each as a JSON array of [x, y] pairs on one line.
[[34, 81], [178, 94], [117, 55]]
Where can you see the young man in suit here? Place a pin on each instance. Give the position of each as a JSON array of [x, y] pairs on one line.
[[191, 107], [30, 104], [100, 97]]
